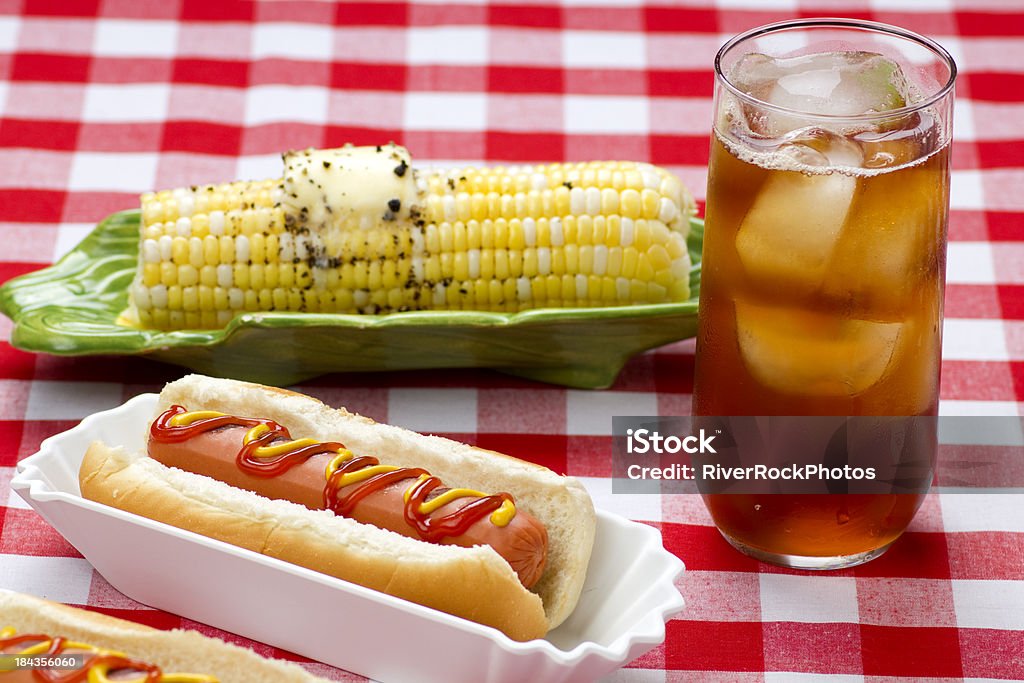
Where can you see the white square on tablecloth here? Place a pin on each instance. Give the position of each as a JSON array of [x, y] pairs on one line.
[[963, 121], [463, 112], [8, 33], [966, 190], [259, 166], [970, 263], [113, 171], [809, 599], [804, 677], [979, 408], [757, 4], [433, 410], [62, 579], [458, 45], [281, 103], [58, 400], [989, 603], [914, 5], [982, 512], [645, 507], [611, 49], [68, 237], [129, 38], [973, 339], [114, 103], [591, 412], [292, 41], [606, 114]]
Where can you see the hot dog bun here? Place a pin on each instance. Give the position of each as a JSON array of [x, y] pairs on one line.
[[474, 583], [176, 651]]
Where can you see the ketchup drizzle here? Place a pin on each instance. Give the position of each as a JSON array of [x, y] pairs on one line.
[[57, 645], [341, 500]]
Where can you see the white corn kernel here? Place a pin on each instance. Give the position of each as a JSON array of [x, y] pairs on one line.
[[225, 277], [217, 223], [150, 251]]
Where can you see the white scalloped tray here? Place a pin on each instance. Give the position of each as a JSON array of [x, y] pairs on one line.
[[628, 595]]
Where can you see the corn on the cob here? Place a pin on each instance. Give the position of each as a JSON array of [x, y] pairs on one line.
[[493, 239]]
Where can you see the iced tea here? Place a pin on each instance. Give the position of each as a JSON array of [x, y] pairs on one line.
[[822, 283]]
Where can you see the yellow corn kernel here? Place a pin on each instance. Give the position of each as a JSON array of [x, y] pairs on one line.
[[174, 297], [529, 262], [240, 276], [568, 288], [608, 290], [659, 258], [642, 235], [179, 251], [188, 276], [630, 258], [460, 268], [584, 230], [151, 274], [501, 264], [271, 276], [586, 260], [227, 249], [650, 201], [168, 274], [515, 263], [629, 203], [572, 259], [558, 261], [656, 293], [644, 270]]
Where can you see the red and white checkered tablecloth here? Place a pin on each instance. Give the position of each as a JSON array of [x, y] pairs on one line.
[[103, 99]]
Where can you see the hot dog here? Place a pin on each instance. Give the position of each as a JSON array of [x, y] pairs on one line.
[[507, 545], [92, 647], [216, 446]]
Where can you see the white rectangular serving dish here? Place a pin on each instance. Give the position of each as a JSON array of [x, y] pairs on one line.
[[628, 595]]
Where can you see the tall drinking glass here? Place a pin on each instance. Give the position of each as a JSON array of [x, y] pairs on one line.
[[824, 259]]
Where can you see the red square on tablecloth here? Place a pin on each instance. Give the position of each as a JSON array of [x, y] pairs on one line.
[[918, 652], [714, 646]]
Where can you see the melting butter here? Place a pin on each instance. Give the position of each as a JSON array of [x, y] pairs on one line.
[[349, 186]]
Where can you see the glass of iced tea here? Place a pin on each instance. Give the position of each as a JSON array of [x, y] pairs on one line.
[[824, 259]]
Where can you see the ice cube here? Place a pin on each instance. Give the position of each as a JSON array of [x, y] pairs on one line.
[[830, 83], [815, 354], [814, 146], [790, 232], [888, 255]]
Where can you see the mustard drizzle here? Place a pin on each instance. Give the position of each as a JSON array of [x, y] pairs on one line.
[[98, 669], [499, 518]]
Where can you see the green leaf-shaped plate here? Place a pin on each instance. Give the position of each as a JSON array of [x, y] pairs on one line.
[[71, 309]]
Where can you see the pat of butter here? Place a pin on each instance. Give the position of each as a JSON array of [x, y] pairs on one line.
[[349, 186]]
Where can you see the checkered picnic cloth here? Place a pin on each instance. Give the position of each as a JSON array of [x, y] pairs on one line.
[[103, 99]]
